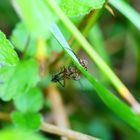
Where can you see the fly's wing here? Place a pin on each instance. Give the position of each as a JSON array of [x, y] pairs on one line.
[[59, 77]]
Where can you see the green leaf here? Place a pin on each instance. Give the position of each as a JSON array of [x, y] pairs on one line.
[[18, 80], [22, 40], [80, 7], [8, 56], [31, 121], [37, 17], [19, 36], [113, 102], [127, 11], [5, 74], [31, 101], [19, 134]]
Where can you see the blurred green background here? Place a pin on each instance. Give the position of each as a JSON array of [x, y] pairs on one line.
[[88, 114]]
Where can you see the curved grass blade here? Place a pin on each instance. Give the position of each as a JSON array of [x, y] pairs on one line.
[[114, 103], [107, 71]]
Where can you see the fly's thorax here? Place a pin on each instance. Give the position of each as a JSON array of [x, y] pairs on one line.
[[83, 63], [72, 73]]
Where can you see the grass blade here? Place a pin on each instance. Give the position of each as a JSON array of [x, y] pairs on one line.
[[127, 11], [114, 103]]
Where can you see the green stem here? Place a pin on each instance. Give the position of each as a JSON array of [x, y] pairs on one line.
[[89, 25]]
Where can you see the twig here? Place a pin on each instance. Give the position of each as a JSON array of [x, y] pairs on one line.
[[55, 130], [65, 132], [58, 109]]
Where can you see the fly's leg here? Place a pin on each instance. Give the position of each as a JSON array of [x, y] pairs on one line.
[[62, 71], [64, 76], [62, 84]]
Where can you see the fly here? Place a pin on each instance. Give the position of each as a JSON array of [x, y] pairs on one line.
[[66, 73], [70, 72]]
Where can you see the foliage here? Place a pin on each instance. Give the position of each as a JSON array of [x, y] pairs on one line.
[[32, 55], [16, 134], [31, 121], [25, 73], [80, 7]]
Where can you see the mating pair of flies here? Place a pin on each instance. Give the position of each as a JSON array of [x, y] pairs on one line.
[[70, 72]]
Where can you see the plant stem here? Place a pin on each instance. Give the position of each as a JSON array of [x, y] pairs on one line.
[[89, 24], [123, 91], [55, 130], [65, 132], [59, 113]]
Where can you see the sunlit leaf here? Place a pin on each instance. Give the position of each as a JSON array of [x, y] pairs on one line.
[[37, 17], [30, 121], [8, 56], [80, 7], [31, 101], [19, 134], [18, 80]]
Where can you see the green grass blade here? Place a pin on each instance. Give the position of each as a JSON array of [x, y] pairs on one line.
[[127, 11], [96, 39], [121, 88], [114, 103]]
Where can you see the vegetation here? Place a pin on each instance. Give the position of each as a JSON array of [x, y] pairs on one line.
[[44, 49]]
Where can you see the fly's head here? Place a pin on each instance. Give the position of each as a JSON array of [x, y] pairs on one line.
[[83, 63]]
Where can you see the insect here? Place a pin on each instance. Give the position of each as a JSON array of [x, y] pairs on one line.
[[83, 63], [70, 72], [66, 73]]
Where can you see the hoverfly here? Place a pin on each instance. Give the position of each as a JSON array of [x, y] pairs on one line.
[[70, 72]]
